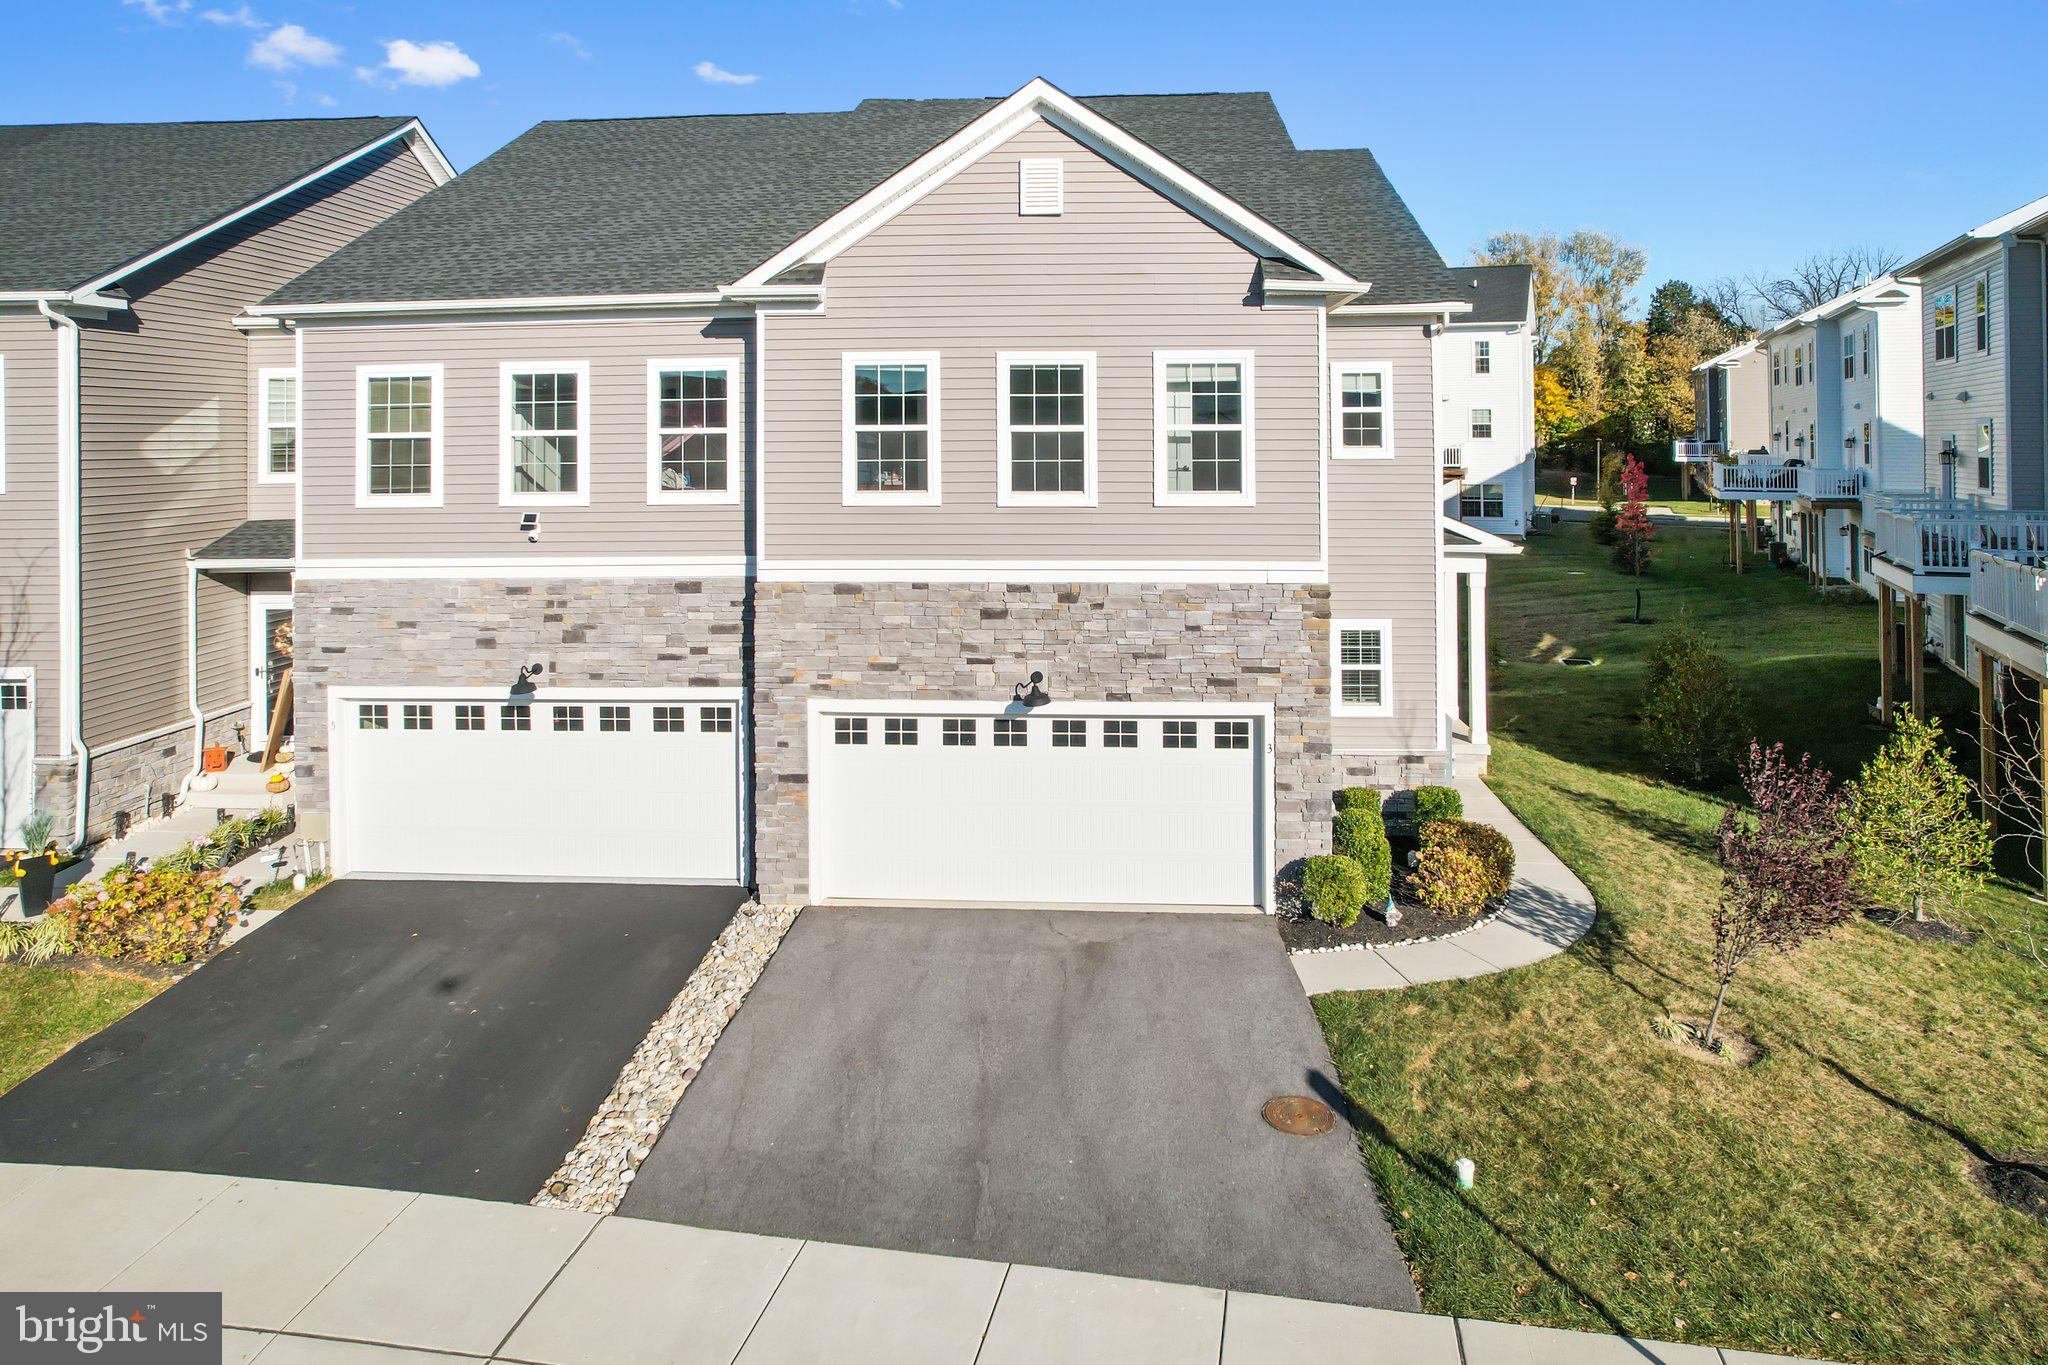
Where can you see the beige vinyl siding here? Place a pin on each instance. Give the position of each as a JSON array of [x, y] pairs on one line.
[[1122, 272], [1981, 374], [1749, 403], [618, 521], [165, 460], [1385, 542], [267, 350], [28, 516]]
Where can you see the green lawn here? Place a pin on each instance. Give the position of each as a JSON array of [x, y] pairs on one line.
[[44, 1010], [1820, 1202]]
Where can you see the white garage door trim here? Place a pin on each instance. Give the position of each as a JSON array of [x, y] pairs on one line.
[[819, 731], [17, 758], [340, 700]]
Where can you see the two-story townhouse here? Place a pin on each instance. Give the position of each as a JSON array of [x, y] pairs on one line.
[[1486, 387], [1731, 412], [1025, 500], [134, 429], [1962, 553]]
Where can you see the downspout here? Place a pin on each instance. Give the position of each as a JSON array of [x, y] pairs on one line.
[[192, 675], [70, 528]]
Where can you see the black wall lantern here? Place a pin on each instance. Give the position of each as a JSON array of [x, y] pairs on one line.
[[1031, 695], [523, 689]]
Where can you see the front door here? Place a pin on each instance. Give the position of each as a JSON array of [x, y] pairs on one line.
[[17, 752], [270, 616]]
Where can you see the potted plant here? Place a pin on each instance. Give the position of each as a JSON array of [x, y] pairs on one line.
[[40, 863]]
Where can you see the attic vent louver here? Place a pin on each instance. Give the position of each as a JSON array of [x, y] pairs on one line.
[[1041, 186]]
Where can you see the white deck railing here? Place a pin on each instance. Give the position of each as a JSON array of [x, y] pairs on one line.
[[2011, 592], [1685, 450], [1939, 537], [1830, 483], [1769, 482]]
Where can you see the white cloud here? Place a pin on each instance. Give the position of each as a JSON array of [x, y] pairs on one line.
[[239, 17], [289, 47], [411, 63], [715, 74], [288, 89], [327, 101], [163, 11], [572, 43]]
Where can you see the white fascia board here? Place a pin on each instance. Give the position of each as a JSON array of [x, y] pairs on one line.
[[1039, 99], [531, 304], [1452, 307], [1733, 355], [205, 565], [436, 165], [1478, 542], [2025, 216]]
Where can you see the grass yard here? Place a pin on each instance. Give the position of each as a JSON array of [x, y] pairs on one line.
[[44, 1010], [1821, 1202]]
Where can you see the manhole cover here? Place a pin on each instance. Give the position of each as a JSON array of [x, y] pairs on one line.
[[1299, 1115]]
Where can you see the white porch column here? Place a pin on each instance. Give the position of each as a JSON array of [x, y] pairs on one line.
[[1475, 647]]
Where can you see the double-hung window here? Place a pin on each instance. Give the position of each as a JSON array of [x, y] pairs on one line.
[[1203, 416], [690, 406], [1483, 500], [398, 442], [1984, 452], [1798, 365], [1866, 348], [1848, 355], [1482, 357], [546, 415], [1362, 419], [1777, 366], [277, 426], [1047, 428], [1359, 684], [1482, 424], [1981, 292], [891, 454], [1945, 325]]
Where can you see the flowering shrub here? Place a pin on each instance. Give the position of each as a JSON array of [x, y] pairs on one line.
[[161, 915]]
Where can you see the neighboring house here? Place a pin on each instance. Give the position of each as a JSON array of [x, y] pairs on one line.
[[1963, 550], [1026, 500], [1731, 406], [134, 429], [1486, 400]]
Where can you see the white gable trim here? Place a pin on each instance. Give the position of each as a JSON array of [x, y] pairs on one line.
[[1039, 99], [1463, 538], [413, 130]]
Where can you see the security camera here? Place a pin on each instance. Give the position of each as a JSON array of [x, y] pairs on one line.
[[530, 523]]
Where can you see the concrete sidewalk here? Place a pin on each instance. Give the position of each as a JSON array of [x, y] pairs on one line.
[[331, 1275], [1547, 911]]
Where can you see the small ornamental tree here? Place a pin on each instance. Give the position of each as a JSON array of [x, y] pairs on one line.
[[1918, 844], [1633, 529], [1786, 871]]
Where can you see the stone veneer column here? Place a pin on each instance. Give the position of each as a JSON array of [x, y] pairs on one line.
[[1096, 642]]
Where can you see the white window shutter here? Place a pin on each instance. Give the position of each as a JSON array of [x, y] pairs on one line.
[[1041, 186]]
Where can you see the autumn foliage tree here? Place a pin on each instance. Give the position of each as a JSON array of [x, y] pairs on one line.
[[1633, 529], [1787, 871]]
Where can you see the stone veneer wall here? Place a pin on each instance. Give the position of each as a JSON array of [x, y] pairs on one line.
[[1100, 642], [1391, 772], [136, 779], [479, 632]]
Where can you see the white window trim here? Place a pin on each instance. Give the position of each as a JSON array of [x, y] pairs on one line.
[[1482, 348], [1954, 294], [436, 452], [850, 494], [1340, 707], [657, 496], [1478, 490], [1472, 421], [1340, 451], [1162, 496], [1979, 316], [506, 496], [1005, 495], [264, 473]]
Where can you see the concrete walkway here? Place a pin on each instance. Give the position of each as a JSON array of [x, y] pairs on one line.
[[1547, 911], [327, 1275]]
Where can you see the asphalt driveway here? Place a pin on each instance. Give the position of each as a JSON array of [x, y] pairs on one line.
[[445, 1037], [1058, 1088]]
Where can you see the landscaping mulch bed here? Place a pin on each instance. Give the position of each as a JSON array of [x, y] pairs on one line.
[[1300, 930], [1925, 930]]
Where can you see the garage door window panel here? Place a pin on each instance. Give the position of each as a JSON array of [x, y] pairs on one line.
[[1011, 733], [568, 718], [515, 718], [716, 720]]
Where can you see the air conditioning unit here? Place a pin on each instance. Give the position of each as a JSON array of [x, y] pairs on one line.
[[1454, 463]]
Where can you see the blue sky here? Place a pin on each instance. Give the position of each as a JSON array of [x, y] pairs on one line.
[[1723, 139]]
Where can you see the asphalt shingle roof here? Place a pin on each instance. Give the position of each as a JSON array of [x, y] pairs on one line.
[[80, 199], [1499, 293], [269, 539], [678, 205]]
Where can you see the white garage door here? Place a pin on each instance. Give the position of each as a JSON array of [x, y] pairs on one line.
[[588, 787], [1046, 809]]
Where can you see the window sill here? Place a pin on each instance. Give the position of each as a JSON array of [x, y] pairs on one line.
[[396, 501], [1163, 498], [681, 497], [580, 499], [265, 479], [855, 498], [1011, 498]]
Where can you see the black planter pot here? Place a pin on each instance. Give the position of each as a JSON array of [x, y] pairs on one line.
[[38, 883]]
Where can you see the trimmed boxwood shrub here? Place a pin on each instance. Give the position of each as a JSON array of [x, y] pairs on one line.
[[1360, 835], [1438, 803], [1350, 798], [1485, 843], [1333, 887]]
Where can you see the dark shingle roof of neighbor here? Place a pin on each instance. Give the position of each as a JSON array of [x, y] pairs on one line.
[[270, 539], [1499, 293], [675, 205], [80, 199]]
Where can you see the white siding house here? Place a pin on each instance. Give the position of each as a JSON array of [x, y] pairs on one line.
[[1486, 381]]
